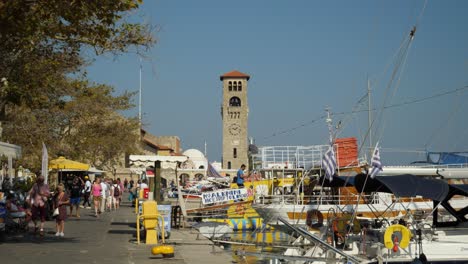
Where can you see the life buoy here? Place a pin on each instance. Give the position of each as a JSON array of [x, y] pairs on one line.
[[392, 242], [314, 215]]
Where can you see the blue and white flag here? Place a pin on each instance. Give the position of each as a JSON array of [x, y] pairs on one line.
[[376, 163], [45, 162], [329, 163]]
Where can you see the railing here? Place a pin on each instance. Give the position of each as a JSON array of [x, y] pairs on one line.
[[318, 199]]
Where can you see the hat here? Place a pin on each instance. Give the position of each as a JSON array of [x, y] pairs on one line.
[[86, 177]]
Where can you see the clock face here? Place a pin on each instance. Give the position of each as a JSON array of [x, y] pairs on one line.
[[234, 129]]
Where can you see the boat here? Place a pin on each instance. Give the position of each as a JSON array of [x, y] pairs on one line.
[[438, 236], [341, 198]]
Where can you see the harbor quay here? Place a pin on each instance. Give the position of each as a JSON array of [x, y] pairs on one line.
[[111, 238]]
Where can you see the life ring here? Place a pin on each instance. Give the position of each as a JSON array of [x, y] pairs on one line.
[[392, 242], [314, 215]]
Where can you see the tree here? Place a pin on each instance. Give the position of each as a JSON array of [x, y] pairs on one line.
[[44, 94]]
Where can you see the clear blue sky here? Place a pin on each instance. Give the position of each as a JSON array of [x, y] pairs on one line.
[[302, 56]]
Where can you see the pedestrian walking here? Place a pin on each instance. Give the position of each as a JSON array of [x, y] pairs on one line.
[[75, 195], [39, 194], [87, 193], [60, 201], [104, 192], [116, 194], [96, 190], [109, 194], [122, 189]]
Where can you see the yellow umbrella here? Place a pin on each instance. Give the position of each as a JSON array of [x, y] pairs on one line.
[[61, 163]]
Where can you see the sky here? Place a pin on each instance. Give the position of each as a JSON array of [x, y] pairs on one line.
[[304, 56]]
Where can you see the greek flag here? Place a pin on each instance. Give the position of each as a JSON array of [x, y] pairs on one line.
[[376, 163], [329, 163]]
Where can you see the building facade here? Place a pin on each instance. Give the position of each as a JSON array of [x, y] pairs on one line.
[[235, 114]]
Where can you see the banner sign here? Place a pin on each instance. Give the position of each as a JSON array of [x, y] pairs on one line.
[[224, 195]]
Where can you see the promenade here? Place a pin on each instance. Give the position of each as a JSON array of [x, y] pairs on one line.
[[108, 239]]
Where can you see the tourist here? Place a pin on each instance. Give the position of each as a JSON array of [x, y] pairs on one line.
[[109, 194], [60, 201], [96, 190], [75, 194], [240, 176], [143, 185], [87, 193], [104, 193], [122, 188], [116, 194], [125, 184], [39, 195]]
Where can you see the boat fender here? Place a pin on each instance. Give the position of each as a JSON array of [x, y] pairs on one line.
[[312, 215], [405, 237]]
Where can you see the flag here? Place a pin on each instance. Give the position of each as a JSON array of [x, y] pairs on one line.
[[329, 163], [375, 163], [45, 162]]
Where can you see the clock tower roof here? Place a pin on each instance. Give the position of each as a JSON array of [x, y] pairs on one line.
[[234, 74]]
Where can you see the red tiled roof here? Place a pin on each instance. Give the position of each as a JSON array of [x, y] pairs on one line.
[[234, 74]]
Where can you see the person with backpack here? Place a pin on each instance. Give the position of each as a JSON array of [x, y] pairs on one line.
[[116, 191], [240, 176]]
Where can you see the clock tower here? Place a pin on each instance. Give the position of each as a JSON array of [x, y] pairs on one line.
[[235, 113]]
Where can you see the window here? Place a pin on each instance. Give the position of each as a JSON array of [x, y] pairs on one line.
[[234, 153], [229, 165], [234, 101], [230, 86], [235, 86], [239, 86]]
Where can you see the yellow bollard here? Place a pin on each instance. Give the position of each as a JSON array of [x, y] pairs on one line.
[[165, 250]]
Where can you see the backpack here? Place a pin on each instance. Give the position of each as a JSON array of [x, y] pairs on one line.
[[116, 191], [234, 180]]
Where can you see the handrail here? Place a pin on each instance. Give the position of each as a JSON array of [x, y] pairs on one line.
[[311, 237], [150, 217]]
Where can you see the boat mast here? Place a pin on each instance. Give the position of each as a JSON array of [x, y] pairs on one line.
[[139, 99], [329, 122], [369, 115]]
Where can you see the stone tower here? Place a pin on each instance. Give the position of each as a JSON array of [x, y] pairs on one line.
[[235, 113]]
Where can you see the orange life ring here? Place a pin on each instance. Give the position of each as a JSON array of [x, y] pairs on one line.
[[314, 215]]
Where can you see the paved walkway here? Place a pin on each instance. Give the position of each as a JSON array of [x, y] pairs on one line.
[[108, 239]]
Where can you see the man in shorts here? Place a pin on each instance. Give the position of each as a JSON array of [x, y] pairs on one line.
[[75, 194]]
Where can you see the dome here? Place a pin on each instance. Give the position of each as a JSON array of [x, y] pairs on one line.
[[197, 157], [194, 154]]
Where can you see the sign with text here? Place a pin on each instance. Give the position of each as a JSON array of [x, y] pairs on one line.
[[224, 195]]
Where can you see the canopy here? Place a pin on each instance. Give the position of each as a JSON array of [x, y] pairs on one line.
[[63, 163], [406, 185], [338, 181]]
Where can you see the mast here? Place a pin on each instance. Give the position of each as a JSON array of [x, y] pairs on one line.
[[369, 115], [139, 97], [329, 122]]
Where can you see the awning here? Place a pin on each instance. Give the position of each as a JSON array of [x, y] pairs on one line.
[[139, 162], [338, 181], [406, 185], [10, 150], [62, 163]]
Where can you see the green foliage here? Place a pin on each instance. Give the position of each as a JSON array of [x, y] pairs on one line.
[[46, 97]]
